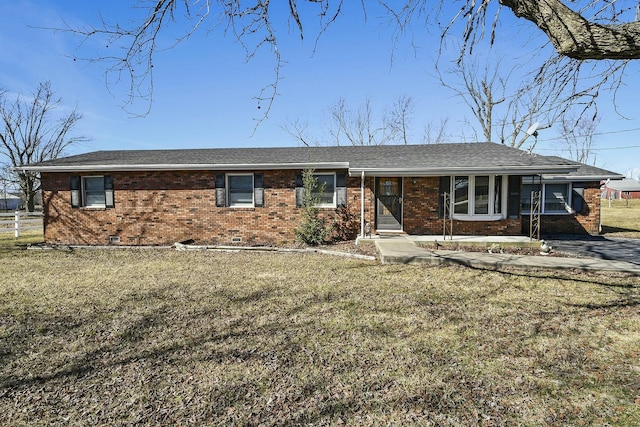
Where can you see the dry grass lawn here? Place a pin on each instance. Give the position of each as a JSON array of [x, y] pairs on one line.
[[154, 337], [621, 219]]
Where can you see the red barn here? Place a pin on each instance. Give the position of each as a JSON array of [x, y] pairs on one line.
[[621, 189]]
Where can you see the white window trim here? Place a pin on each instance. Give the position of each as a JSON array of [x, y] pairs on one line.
[[568, 210], [333, 204], [471, 216], [228, 189], [83, 187]]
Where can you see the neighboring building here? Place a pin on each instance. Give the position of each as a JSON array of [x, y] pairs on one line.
[[9, 202], [252, 196], [623, 189]]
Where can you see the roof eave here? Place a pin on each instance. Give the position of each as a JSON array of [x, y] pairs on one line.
[[498, 170], [573, 178], [183, 167]]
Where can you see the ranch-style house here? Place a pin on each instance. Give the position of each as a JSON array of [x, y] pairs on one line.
[[253, 196]]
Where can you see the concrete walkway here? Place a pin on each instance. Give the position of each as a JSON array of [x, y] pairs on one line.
[[404, 250]]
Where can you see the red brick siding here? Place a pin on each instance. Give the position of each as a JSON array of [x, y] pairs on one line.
[[421, 213], [160, 208]]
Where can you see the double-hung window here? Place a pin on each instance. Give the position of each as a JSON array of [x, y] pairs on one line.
[[92, 191], [477, 196], [330, 189], [325, 191], [240, 190]]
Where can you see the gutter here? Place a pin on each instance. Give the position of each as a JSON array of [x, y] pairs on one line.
[[182, 167], [362, 189], [507, 170], [573, 178]]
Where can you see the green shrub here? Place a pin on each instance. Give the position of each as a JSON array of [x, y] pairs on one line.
[[312, 229]]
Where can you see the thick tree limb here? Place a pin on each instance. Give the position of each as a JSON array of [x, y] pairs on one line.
[[576, 37]]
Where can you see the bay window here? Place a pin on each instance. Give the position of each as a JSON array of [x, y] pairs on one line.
[[477, 196]]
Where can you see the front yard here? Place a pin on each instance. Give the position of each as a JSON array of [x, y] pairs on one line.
[[156, 337], [621, 218]]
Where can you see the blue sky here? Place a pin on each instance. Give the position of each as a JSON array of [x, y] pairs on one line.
[[204, 88]]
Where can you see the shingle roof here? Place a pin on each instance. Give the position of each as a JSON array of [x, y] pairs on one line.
[[626, 184], [429, 159], [583, 172]]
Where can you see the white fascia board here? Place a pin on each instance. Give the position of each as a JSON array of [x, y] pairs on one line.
[[513, 170], [184, 167], [576, 178]]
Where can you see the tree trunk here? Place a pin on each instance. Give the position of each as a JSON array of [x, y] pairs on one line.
[[574, 36], [31, 202]]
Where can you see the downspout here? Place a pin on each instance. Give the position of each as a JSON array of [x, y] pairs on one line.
[[361, 236]]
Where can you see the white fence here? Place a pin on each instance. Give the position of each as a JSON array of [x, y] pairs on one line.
[[21, 221]]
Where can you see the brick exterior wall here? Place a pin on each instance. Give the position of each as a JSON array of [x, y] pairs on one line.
[[161, 208], [421, 213]]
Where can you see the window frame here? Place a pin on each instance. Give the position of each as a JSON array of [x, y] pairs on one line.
[[333, 203], [454, 199], [83, 186], [230, 203], [568, 202], [471, 214]]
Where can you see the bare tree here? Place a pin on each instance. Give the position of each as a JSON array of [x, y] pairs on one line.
[[550, 83], [299, 130], [482, 90], [130, 48], [433, 135], [360, 126], [505, 102], [399, 118], [32, 131], [7, 186], [577, 137], [599, 30]]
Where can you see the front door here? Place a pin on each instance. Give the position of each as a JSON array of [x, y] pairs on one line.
[[389, 204]]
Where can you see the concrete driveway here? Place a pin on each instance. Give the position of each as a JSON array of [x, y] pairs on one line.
[[608, 248]]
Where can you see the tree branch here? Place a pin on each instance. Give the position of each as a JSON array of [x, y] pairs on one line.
[[574, 36]]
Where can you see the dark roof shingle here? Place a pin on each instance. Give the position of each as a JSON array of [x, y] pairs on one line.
[[414, 159]]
